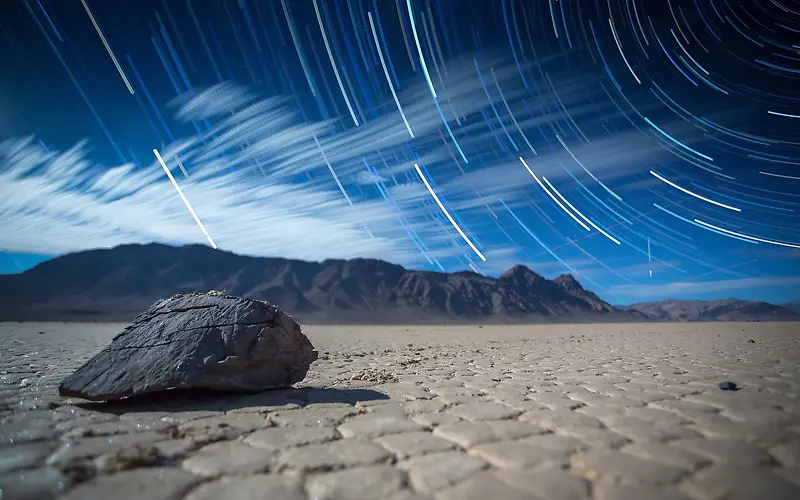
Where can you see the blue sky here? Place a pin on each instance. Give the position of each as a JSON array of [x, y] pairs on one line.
[[651, 151]]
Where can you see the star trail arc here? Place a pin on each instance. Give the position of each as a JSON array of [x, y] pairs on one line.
[[646, 131]]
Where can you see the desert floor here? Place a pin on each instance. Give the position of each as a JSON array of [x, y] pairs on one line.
[[543, 412]]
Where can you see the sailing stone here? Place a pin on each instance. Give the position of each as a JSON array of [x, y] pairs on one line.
[[197, 341]]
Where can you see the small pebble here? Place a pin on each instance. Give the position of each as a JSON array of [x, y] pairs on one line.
[[727, 386]]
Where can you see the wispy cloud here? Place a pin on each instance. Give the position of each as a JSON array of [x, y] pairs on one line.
[[40, 215], [265, 182], [679, 289]]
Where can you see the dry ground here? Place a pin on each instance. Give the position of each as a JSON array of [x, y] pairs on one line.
[[606, 411]]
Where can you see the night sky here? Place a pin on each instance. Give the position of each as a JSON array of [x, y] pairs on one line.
[[649, 148]]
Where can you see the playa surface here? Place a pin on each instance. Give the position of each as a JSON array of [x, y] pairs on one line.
[[458, 412]]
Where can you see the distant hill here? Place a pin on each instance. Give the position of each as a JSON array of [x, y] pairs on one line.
[[118, 283], [792, 306], [713, 310]]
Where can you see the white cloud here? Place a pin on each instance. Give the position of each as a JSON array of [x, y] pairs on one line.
[[679, 289], [243, 178]]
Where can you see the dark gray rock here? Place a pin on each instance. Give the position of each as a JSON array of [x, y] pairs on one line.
[[727, 386], [200, 340]]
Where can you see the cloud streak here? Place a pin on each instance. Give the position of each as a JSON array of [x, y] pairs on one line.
[[698, 288], [265, 182]]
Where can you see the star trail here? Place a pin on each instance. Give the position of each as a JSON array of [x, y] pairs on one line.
[[641, 146]]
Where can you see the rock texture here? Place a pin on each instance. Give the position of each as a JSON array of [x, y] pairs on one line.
[[208, 341]]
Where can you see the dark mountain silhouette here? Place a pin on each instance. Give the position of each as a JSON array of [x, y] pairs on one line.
[[713, 310], [118, 283]]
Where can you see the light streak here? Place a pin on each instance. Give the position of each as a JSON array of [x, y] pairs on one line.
[[75, 83], [384, 44], [49, 21], [419, 49], [358, 38], [619, 46], [398, 214], [540, 242], [591, 223], [183, 197], [405, 37], [671, 59], [695, 194], [615, 195], [688, 54], [553, 17], [684, 146], [108, 47], [752, 203], [604, 204], [510, 113], [333, 64], [787, 115], [447, 214], [14, 259], [203, 40], [564, 21], [494, 108], [553, 197], [299, 48], [386, 72], [779, 175], [684, 219], [430, 48], [566, 113], [740, 235], [339, 183], [180, 165], [450, 132], [436, 39], [511, 42], [639, 22]]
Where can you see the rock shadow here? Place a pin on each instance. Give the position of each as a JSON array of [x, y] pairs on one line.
[[183, 400]]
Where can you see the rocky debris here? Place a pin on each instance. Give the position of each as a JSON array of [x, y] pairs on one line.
[[727, 386], [197, 341], [370, 374]]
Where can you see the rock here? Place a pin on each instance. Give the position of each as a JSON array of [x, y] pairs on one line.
[[751, 341], [197, 341], [727, 386]]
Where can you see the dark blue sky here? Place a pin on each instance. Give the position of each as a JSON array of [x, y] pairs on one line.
[[649, 148]]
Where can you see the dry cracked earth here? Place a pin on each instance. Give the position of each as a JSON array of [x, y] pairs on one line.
[[461, 412]]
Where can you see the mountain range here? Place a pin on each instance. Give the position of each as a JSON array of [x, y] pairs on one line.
[[793, 305], [118, 283], [713, 310]]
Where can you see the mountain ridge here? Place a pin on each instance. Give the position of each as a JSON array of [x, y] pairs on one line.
[[116, 284], [729, 309]]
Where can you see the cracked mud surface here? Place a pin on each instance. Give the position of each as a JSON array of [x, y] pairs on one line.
[[461, 412]]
